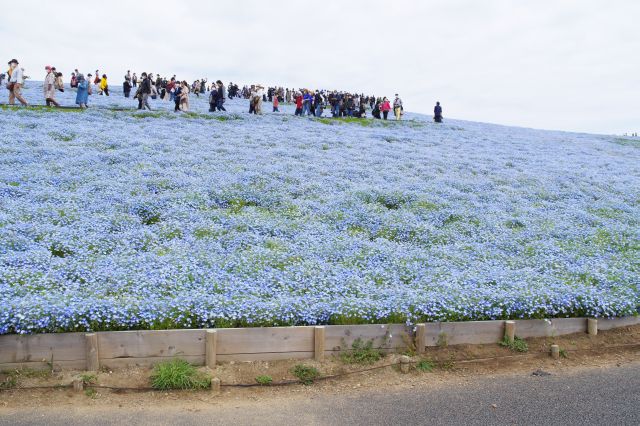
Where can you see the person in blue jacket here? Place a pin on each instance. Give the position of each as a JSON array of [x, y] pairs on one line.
[[84, 86]]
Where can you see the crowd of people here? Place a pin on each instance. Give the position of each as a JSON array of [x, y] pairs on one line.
[[151, 86]]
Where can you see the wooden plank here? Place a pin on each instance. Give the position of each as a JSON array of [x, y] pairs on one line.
[[116, 363], [39, 365], [318, 342], [264, 339], [151, 343], [341, 337], [92, 356], [459, 333], [337, 351], [611, 323], [266, 356], [550, 328], [39, 347]]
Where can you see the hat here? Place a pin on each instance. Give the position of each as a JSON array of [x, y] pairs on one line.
[[13, 61], [48, 67]]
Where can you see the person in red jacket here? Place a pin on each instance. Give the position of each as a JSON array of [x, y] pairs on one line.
[[385, 107], [299, 104]]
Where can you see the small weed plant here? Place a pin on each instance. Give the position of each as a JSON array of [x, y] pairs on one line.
[[264, 380], [178, 374], [518, 344], [88, 378], [306, 374], [361, 353], [10, 382]]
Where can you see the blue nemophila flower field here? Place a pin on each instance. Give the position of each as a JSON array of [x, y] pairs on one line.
[[113, 220]]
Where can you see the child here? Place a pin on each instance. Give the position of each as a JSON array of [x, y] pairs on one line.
[[275, 104]]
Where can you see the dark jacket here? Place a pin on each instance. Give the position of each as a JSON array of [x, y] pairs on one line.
[[145, 87]]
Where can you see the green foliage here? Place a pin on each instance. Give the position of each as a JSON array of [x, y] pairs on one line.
[[424, 205], [563, 353], [452, 218], [88, 378], [264, 380], [59, 251], [514, 224], [361, 353], [518, 344], [40, 109], [10, 382], [62, 137], [91, 393], [305, 373], [178, 374], [628, 142], [425, 365], [155, 114]]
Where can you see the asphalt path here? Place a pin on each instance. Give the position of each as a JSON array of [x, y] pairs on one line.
[[598, 396]]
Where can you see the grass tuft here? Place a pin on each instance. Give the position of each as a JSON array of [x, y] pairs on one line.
[[518, 344], [178, 374], [425, 365]]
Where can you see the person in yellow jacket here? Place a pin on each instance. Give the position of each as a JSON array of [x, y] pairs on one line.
[[104, 87]]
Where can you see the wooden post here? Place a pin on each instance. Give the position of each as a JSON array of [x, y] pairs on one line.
[[215, 385], [211, 348], [318, 343], [421, 338], [592, 326], [510, 330], [78, 384], [405, 364], [91, 345], [555, 351]]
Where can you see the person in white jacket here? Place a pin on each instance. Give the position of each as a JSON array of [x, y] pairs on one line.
[[49, 87], [397, 107], [256, 99], [16, 81]]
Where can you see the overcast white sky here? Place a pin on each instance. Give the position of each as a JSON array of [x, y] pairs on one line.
[[561, 64]]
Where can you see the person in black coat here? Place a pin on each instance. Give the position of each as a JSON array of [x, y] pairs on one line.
[[126, 88], [437, 113], [376, 110], [213, 99], [176, 99]]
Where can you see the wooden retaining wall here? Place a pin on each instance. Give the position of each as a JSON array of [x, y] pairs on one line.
[[117, 349]]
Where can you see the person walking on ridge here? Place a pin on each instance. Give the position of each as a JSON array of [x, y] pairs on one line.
[[397, 107], [49, 87], [437, 113], [16, 81]]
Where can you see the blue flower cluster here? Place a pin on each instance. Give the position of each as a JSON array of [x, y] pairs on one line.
[[114, 220]]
